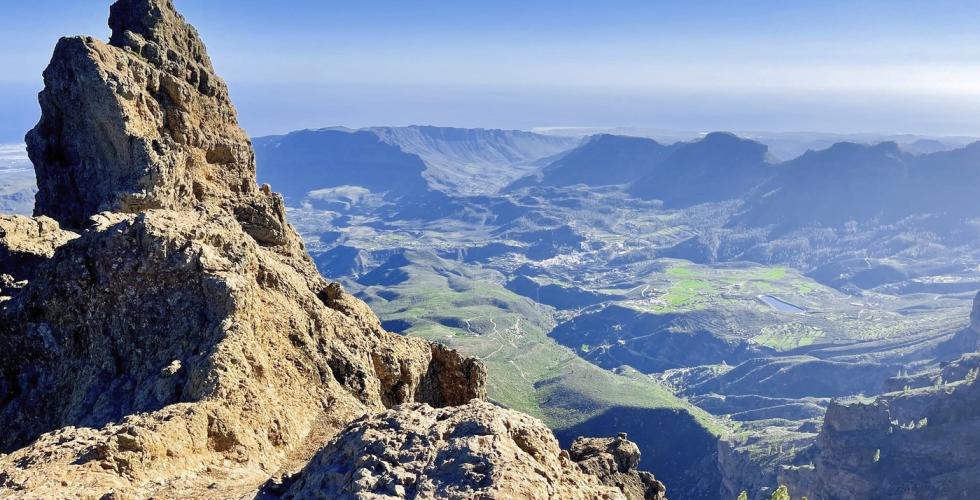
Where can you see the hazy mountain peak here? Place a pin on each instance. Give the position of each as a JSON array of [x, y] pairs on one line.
[[851, 154], [719, 167], [722, 149], [307, 160], [721, 137], [601, 160], [474, 161]]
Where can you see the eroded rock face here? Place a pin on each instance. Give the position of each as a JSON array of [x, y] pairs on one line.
[[181, 343], [918, 442], [208, 347], [473, 451], [615, 462], [111, 311], [139, 123], [183, 337]]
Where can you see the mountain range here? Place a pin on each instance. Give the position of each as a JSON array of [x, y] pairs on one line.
[[403, 161], [705, 280], [728, 296], [829, 187]]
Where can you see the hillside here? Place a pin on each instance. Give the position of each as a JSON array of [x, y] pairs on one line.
[[861, 183], [716, 168], [467, 308], [305, 161], [600, 311], [474, 161], [601, 160]]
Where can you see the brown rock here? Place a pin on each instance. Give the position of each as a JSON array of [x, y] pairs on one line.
[[185, 328], [140, 123], [476, 450], [615, 462], [261, 362], [26, 242]]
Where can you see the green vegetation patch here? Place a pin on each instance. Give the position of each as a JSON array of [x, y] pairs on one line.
[[681, 272], [466, 308], [685, 292]]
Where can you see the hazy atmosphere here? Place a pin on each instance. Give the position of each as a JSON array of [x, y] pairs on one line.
[[434, 250], [841, 66]]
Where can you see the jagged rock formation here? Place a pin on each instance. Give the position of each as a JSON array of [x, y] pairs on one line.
[[141, 123], [472, 451], [915, 443], [180, 342], [615, 461]]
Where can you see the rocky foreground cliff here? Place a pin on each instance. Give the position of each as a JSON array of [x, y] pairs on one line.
[[163, 332], [920, 441]]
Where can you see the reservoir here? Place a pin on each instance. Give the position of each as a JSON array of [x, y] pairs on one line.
[[781, 305]]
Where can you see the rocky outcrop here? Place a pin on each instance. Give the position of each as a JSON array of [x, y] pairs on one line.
[[915, 443], [140, 123], [184, 338], [615, 462], [750, 460], [180, 342], [472, 451]]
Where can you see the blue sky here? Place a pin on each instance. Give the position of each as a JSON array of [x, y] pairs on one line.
[[857, 66]]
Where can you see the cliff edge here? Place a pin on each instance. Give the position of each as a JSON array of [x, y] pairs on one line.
[[920, 441]]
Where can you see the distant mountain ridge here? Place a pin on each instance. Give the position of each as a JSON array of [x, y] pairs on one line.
[[601, 160], [470, 161], [717, 167], [303, 161], [827, 188], [855, 182], [402, 160], [783, 145]]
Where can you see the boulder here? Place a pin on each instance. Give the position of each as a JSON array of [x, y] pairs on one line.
[[615, 461]]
